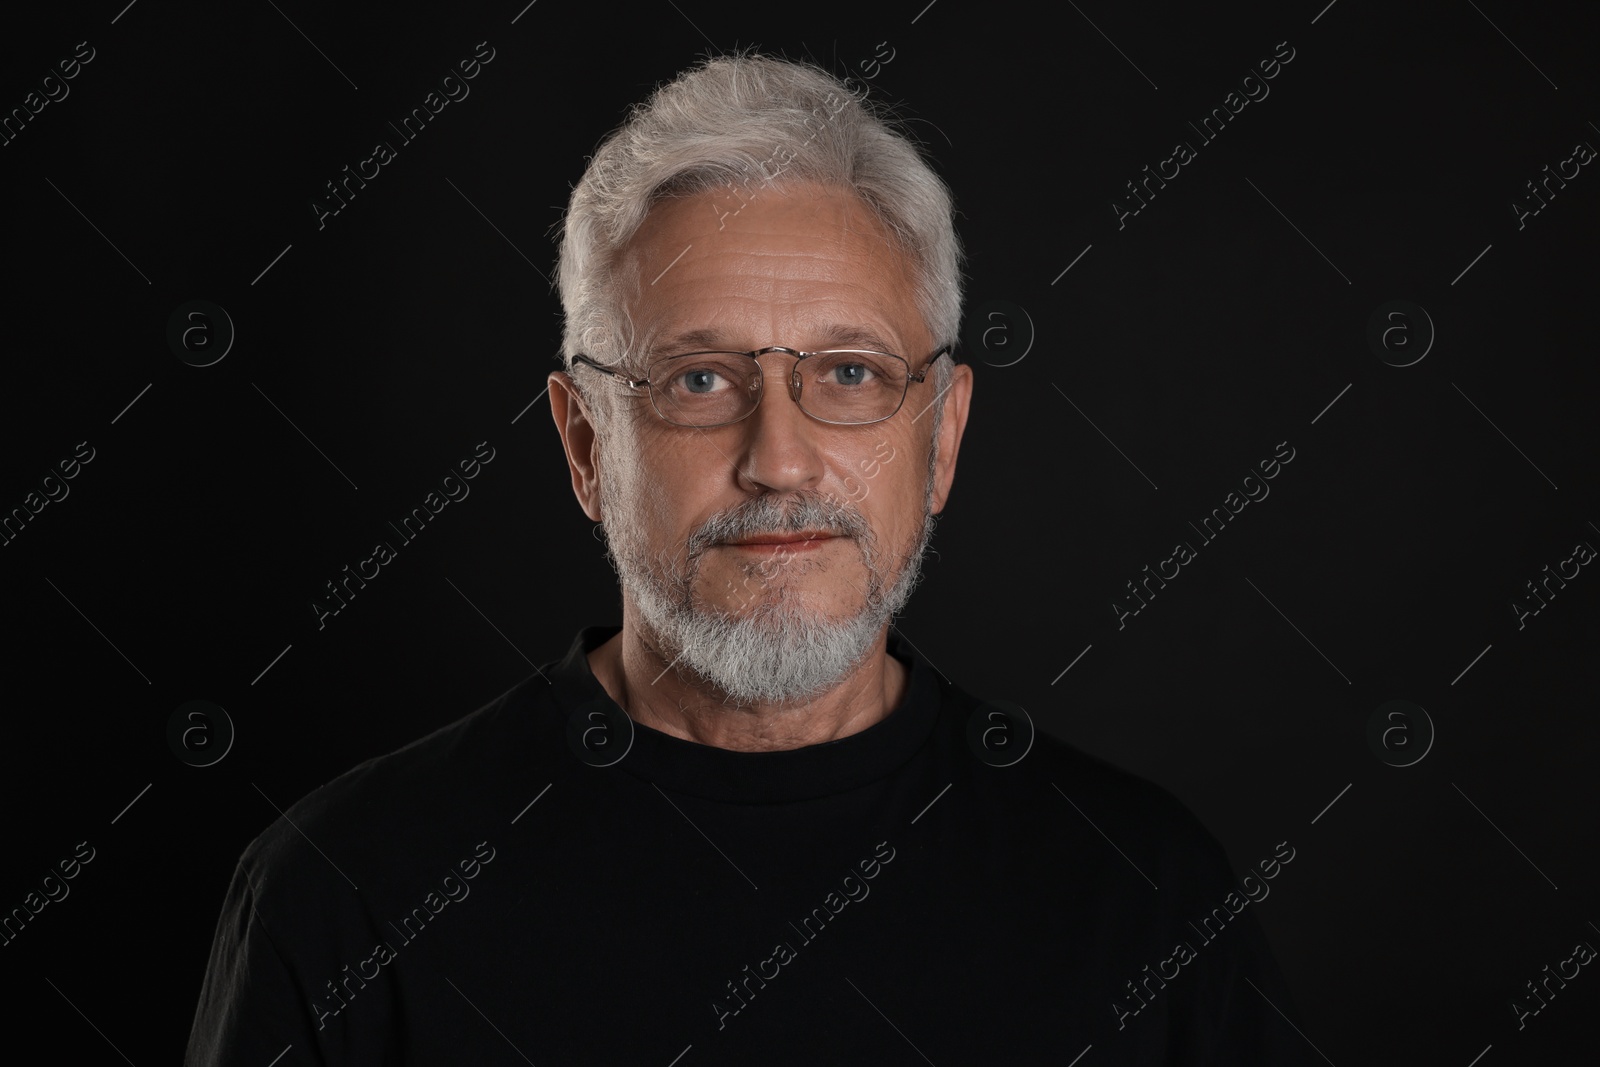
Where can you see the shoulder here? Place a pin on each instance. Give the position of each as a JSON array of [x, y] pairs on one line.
[[1076, 795], [1122, 795], [427, 796], [1127, 807]]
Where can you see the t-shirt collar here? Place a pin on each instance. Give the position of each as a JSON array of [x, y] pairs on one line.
[[758, 777]]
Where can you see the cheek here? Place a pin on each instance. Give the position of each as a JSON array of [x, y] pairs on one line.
[[894, 500], [624, 476], [662, 506], [672, 487]]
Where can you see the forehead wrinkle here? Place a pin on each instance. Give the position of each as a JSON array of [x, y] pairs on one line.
[[831, 311], [721, 339], [841, 281]]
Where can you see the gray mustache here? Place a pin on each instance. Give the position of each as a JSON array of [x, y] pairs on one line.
[[765, 515]]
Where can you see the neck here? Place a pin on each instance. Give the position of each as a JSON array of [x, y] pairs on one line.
[[643, 681]]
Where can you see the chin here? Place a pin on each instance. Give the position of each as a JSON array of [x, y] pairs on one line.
[[774, 607]]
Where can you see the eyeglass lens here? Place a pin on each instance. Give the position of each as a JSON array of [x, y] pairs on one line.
[[713, 388]]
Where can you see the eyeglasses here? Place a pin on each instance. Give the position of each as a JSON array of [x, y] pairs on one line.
[[841, 386]]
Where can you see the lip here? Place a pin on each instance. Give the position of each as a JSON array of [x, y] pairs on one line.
[[796, 542]]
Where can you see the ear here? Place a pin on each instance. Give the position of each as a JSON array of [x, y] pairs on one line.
[[956, 400], [576, 426]]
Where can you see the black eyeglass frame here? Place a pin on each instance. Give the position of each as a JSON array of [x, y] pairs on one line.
[[794, 379]]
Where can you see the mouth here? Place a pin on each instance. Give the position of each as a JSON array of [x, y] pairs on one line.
[[797, 541]]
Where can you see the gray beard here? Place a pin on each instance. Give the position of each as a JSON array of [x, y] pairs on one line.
[[777, 652]]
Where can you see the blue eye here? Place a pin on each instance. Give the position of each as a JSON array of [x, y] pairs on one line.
[[850, 373], [699, 381]]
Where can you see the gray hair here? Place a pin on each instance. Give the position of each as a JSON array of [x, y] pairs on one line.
[[744, 119]]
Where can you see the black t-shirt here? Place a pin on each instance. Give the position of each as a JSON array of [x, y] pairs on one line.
[[545, 881]]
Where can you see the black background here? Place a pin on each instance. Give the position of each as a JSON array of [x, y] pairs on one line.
[[1209, 328]]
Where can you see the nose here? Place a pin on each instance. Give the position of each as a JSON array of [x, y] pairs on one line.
[[779, 452]]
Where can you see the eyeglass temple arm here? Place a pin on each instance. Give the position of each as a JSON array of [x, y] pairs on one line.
[[630, 382], [922, 374]]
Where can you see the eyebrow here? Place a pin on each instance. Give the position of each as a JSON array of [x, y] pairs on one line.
[[715, 339]]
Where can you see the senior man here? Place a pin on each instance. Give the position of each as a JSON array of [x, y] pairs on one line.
[[750, 825]]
